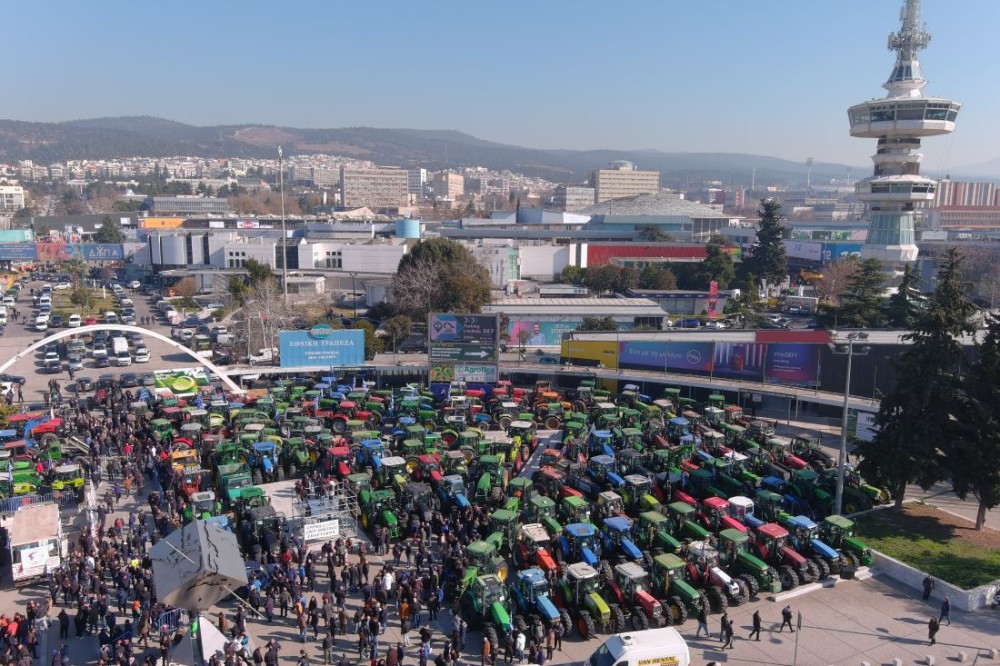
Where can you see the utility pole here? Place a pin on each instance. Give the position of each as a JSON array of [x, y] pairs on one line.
[[284, 239]]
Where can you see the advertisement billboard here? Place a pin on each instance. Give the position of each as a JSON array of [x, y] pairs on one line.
[[462, 337], [18, 252], [794, 364], [834, 251], [739, 360], [597, 351], [674, 356], [804, 250], [86, 251], [321, 347], [546, 333]]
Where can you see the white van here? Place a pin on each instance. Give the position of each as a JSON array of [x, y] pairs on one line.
[[110, 318], [653, 647]]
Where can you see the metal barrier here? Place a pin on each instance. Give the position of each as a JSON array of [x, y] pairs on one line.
[[170, 621], [12, 504]]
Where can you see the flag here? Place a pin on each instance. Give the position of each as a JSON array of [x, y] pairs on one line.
[[392, 402], [316, 401]]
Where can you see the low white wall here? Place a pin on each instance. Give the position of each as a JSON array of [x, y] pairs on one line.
[[966, 600]]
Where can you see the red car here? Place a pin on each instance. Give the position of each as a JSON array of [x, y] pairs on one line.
[[90, 321]]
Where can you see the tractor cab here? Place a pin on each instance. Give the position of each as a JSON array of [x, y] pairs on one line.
[[681, 516], [769, 505], [525, 430], [204, 505], [542, 509], [601, 468], [451, 491], [634, 489], [550, 457], [532, 586], [616, 535], [579, 543], [601, 443], [359, 482], [714, 442], [483, 557], [609, 504], [521, 487], [654, 532], [804, 537], [392, 472], [713, 416], [677, 428], [68, 477], [339, 460], [734, 415], [838, 532], [634, 584], [428, 467], [632, 439], [742, 509], [574, 509], [533, 547], [550, 480], [715, 515], [455, 462], [734, 434]]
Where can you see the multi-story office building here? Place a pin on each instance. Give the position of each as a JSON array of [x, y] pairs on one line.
[[965, 193], [570, 198], [379, 187], [417, 181], [11, 197], [188, 205], [449, 185], [621, 180]]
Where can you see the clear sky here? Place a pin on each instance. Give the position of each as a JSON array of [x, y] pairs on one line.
[[769, 77]]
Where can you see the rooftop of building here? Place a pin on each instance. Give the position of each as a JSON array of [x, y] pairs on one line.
[[661, 203]]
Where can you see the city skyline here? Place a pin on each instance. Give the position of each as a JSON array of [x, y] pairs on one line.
[[697, 77]]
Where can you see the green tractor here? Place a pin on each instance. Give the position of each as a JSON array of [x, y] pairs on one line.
[[296, 457], [668, 584], [578, 593], [492, 480], [68, 477], [485, 605], [838, 532], [736, 559], [654, 535], [232, 478], [542, 509], [202, 505], [574, 509], [379, 507], [682, 520], [504, 523]]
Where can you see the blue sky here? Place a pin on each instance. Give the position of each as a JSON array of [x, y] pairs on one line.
[[769, 77]]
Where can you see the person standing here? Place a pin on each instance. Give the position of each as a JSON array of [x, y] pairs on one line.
[[723, 623], [786, 619], [487, 649], [702, 622], [932, 629], [928, 587], [945, 611], [728, 631], [756, 626]]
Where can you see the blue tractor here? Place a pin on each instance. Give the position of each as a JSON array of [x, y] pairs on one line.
[[601, 442], [451, 492], [617, 542], [579, 543], [602, 469], [370, 454], [803, 536], [530, 591], [262, 459]]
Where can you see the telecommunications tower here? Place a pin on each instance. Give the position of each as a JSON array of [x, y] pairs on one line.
[[899, 121]]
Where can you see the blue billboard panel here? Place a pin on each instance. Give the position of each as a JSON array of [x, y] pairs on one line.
[[739, 360], [671, 356], [18, 252], [834, 251], [795, 364], [321, 347]]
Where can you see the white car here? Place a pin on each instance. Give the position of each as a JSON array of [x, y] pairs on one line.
[[42, 324], [74, 321], [51, 356], [142, 355], [75, 362], [43, 314], [134, 284], [62, 285]]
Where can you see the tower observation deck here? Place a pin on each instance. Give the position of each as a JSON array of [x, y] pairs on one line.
[[899, 121]]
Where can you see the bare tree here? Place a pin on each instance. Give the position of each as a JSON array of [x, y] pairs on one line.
[[186, 287], [265, 315], [415, 290], [836, 276]]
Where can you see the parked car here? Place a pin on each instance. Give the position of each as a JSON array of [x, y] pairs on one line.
[[17, 379], [62, 286], [130, 380], [73, 321], [56, 321], [53, 366], [75, 362], [84, 384], [142, 355]]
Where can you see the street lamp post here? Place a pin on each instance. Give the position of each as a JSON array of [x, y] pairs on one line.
[[847, 348], [284, 239], [354, 293]]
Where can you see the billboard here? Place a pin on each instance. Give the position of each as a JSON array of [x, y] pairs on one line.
[[162, 222], [546, 333], [18, 252], [739, 360], [673, 356], [462, 337], [794, 364], [804, 250], [86, 251], [597, 351], [321, 346], [834, 251]]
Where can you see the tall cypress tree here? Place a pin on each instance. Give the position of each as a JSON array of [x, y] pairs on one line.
[[913, 420], [768, 260]]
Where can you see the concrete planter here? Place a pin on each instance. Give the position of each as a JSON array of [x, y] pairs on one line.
[[966, 600]]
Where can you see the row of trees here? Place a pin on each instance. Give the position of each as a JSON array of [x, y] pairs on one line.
[[942, 420], [862, 303]]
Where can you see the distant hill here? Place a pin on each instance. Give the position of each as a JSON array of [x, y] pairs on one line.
[[104, 138]]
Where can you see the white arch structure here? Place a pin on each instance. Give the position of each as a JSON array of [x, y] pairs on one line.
[[122, 328]]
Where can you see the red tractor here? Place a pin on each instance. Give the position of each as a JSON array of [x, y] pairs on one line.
[[348, 410], [769, 540]]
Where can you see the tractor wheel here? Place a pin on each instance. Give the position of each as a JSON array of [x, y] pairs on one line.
[[491, 635], [553, 422], [281, 473], [496, 493], [562, 569], [375, 418], [647, 560], [606, 573], [586, 625], [505, 421], [639, 621], [339, 426], [753, 587], [566, 620], [258, 478], [717, 601], [292, 469], [852, 559], [618, 618], [824, 568], [813, 569], [835, 565], [742, 595], [676, 610], [788, 577], [520, 624]]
